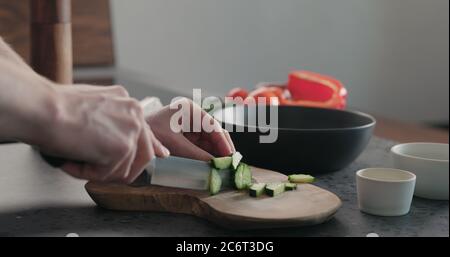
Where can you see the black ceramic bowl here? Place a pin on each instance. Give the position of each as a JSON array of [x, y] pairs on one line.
[[310, 140]]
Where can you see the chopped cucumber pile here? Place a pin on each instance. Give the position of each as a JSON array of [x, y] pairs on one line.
[[240, 172], [300, 178], [274, 189], [241, 177]]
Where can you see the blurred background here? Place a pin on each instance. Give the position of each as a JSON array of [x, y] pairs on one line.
[[392, 55]]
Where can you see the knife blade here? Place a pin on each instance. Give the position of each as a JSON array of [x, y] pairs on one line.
[[180, 173], [170, 172]]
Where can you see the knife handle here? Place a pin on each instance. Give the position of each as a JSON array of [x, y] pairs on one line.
[[55, 162]]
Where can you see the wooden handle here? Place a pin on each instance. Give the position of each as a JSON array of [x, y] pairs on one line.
[[51, 39]]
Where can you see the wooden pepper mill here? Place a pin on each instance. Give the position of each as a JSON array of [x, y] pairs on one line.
[[51, 39]]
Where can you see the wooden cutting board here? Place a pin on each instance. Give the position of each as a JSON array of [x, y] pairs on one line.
[[308, 205]]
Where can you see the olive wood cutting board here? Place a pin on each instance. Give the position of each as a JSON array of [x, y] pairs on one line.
[[232, 209]]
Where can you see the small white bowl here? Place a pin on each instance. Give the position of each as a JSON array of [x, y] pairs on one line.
[[429, 162], [385, 192]]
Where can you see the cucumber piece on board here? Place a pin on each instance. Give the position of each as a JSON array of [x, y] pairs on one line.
[[215, 182], [300, 178], [274, 189], [242, 176], [237, 157], [290, 186], [257, 189], [222, 163]]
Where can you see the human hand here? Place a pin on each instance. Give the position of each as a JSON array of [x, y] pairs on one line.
[[101, 127], [104, 129], [201, 145]]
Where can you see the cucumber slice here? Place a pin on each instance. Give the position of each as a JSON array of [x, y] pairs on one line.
[[237, 157], [290, 186], [257, 189], [274, 189], [215, 182], [242, 176], [300, 178], [222, 163]]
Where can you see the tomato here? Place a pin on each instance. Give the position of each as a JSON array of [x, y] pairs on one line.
[[238, 92]]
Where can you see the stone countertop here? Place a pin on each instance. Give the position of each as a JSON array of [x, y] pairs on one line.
[[36, 200]]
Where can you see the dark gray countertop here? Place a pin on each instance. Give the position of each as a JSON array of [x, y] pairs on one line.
[[38, 200]]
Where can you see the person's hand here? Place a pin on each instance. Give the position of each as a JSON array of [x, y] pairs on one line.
[[195, 145], [101, 128], [104, 129]]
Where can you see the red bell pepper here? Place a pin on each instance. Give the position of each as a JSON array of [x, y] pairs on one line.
[[304, 88], [238, 92], [271, 95], [316, 90]]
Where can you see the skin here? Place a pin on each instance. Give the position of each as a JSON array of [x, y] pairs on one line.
[[196, 145], [103, 128]]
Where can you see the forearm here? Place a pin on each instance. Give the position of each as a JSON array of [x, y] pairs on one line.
[[25, 103], [8, 54]]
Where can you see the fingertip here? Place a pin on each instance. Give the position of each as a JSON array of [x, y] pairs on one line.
[[129, 180], [230, 141], [165, 151], [206, 157], [224, 148], [161, 151], [132, 177]]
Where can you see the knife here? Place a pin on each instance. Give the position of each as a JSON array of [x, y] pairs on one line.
[[179, 172], [170, 172]]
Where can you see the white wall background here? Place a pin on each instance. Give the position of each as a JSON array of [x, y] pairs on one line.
[[393, 55]]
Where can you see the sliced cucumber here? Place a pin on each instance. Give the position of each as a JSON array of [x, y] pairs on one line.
[[222, 163], [257, 189], [290, 186], [242, 176], [215, 182], [274, 189], [237, 157], [300, 178]]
